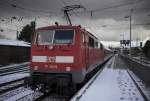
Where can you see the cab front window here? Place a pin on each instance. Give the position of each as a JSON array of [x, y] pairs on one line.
[[63, 36], [45, 37]]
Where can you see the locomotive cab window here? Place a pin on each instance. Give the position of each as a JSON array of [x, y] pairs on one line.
[[44, 37], [63, 36], [96, 44], [101, 46], [91, 42]]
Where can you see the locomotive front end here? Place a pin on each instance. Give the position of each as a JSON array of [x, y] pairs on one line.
[[54, 55]]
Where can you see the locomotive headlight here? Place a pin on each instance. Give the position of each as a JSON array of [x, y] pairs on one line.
[[50, 47], [35, 67], [68, 69]]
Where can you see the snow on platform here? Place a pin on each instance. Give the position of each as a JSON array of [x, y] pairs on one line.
[[112, 84], [13, 77], [14, 43]]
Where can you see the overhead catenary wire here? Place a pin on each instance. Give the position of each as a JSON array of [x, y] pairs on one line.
[[14, 5], [31, 10], [70, 8], [94, 10], [65, 4], [111, 7], [88, 11]]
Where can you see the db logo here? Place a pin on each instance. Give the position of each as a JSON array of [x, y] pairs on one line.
[[51, 59]]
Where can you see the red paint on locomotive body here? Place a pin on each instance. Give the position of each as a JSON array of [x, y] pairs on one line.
[[70, 50]]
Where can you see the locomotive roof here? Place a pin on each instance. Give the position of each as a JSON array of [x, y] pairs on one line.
[[91, 34], [58, 27], [66, 27], [6, 42]]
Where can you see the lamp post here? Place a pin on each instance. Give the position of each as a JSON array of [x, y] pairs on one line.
[[130, 31], [130, 34], [130, 17]]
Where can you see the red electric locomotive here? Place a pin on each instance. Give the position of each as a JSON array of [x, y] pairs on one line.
[[64, 53]]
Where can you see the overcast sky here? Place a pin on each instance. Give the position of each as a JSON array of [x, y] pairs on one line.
[[104, 18]]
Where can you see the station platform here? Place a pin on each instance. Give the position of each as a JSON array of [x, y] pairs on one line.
[[112, 83]]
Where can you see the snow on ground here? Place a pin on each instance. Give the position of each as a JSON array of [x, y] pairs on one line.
[[15, 65], [20, 95], [12, 77], [14, 43], [112, 84]]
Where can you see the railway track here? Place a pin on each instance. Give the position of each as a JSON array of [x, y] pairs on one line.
[[54, 95], [14, 83], [24, 93], [139, 82], [6, 70], [1, 65], [20, 94], [145, 97], [7, 86], [13, 77], [142, 60], [60, 94], [18, 90], [10, 90]]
